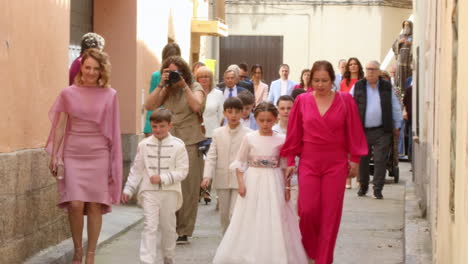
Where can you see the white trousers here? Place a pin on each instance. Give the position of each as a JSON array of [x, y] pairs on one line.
[[226, 200], [159, 209]]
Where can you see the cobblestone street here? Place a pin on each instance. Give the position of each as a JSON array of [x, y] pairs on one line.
[[371, 232]]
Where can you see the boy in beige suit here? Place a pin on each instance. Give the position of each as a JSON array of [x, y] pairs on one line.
[[223, 151]]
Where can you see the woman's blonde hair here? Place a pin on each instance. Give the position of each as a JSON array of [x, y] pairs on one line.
[[103, 59], [203, 70]]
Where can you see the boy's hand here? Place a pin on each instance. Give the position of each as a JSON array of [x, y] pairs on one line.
[[204, 184], [125, 198], [155, 179], [242, 190]]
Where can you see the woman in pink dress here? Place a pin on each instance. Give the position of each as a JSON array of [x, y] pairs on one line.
[[85, 148], [260, 88], [324, 129]]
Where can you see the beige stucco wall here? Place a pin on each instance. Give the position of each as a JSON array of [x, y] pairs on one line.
[[442, 148], [135, 33], [34, 38], [329, 32], [30, 77]]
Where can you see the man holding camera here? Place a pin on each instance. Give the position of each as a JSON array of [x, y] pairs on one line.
[[179, 93]]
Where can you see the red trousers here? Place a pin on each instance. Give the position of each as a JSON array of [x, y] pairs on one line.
[[322, 178]]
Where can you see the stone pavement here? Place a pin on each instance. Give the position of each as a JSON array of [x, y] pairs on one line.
[[372, 231]]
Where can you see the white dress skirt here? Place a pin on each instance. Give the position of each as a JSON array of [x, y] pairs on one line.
[[264, 229]]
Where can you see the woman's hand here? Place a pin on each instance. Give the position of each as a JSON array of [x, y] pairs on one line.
[[53, 167], [242, 190], [289, 172], [164, 77], [287, 194], [181, 84], [353, 169]]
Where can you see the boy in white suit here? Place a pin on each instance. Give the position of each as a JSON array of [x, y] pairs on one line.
[[161, 163], [223, 151]]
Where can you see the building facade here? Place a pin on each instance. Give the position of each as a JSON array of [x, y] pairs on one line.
[[321, 30], [37, 43], [440, 124]]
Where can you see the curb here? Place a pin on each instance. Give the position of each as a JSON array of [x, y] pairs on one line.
[[122, 219], [417, 237]]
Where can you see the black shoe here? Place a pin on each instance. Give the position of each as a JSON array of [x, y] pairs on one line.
[[362, 190], [378, 194], [182, 240]]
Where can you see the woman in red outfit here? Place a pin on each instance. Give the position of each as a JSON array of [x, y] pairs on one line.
[[353, 73], [305, 81], [324, 129]]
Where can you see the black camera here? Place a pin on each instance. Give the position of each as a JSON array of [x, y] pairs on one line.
[[174, 77]]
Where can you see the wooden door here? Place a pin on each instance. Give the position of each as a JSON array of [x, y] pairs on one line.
[[264, 50]]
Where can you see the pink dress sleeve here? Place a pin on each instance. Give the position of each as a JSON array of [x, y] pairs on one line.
[[293, 145], [115, 177], [356, 141], [242, 158], [60, 105]]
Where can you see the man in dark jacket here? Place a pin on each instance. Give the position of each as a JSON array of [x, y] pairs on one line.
[[380, 113]]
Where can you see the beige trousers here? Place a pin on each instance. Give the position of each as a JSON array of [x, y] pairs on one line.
[[159, 209], [226, 200], [187, 214]]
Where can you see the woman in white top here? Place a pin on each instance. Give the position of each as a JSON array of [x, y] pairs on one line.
[[213, 113], [260, 88]]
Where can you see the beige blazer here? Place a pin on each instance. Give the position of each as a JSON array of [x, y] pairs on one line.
[[261, 93], [223, 151]]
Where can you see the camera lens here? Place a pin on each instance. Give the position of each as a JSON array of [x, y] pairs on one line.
[[174, 77]]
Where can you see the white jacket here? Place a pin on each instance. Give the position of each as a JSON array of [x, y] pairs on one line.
[[167, 158], [223, 151]]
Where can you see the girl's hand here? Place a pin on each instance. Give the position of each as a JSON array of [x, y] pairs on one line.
[[287, 194], [353, 169], [241, 190], [289, 172], [53, 167], [125, 198]]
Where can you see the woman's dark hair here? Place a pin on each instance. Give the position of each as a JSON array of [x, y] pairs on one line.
[[296, 92], [302, 84], [183, 67], [347, 74], [323, 65], [254, 69], [266, 107], [197, 64], [233, 103], [171, 49]]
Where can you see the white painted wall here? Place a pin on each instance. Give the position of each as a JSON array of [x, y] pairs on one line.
[[314, 33]]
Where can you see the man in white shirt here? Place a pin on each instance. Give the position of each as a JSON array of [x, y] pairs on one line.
[[339, 76], [282, 86]]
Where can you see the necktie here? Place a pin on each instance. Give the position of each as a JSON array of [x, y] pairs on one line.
[[230, 92]]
